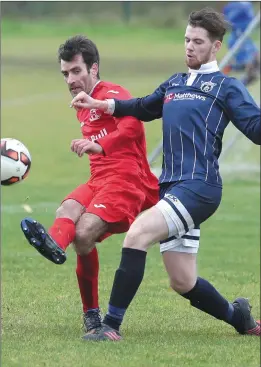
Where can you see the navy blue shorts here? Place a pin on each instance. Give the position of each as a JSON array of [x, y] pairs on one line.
[[185, 205]]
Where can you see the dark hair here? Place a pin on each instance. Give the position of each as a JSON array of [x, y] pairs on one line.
[[79, 45], [211, 20]]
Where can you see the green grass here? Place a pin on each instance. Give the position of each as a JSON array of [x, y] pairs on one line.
[[41, 310], [41, 304], [41, 28]]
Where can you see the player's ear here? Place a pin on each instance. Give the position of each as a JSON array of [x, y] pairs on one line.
[[217, 45], [94, 69]]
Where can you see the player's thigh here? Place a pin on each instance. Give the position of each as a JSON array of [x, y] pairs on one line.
[[70, 209], [75, 204], [182, 270], [185, 205], [188, 244], [149, 228]]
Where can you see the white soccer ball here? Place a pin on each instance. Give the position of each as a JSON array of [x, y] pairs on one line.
[[15, 161]]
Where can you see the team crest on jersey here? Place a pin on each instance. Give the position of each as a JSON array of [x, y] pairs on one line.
[[207, 86], [94, 115]]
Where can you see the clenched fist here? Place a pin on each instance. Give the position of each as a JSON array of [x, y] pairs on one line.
[[81, 146], [83, 100]]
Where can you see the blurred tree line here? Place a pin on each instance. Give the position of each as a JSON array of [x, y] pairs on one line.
[[159, 13]]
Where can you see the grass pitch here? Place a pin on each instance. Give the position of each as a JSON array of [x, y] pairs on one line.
[[41, 309]]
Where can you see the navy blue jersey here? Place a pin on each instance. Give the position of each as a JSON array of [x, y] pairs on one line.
[[194, 119]]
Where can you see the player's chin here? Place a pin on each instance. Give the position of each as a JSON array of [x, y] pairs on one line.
[[75, 91], [192, 63]]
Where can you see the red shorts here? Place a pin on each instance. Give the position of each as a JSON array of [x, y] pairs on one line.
[[117, 202]]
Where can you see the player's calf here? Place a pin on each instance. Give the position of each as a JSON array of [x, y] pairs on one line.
[[182, 270]]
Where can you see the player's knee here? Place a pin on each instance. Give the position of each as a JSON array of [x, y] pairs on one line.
[[135, 239], [83, 248], [182, 284], [70, 209], [84, 241], [89, 229]]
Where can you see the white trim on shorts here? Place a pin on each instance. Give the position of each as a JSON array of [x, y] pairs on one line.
[[183, 237], [178, 219], [189, 243]]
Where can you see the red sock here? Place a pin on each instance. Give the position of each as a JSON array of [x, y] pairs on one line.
[[63, 232], [87, 272]]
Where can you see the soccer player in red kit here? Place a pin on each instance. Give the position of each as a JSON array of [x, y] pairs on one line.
[[121, 184]]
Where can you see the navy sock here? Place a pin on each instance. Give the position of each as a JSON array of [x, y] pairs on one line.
[[127, 280], [207, 299], [114, 317]]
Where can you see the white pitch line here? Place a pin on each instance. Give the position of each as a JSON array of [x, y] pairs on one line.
[[36, 207], [49, 208]]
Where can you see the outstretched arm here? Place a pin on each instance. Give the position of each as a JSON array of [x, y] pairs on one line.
[[147, 108], [243, 111]]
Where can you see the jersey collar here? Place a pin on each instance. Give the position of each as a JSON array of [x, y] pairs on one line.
[[90, 93], [210, 67]]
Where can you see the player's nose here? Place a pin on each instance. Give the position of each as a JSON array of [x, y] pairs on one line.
[[70, 80], [189, 46]]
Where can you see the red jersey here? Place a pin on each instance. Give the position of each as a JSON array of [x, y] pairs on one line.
[[122, 139]]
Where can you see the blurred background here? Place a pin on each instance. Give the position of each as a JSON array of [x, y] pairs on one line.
[[141, 44], [161, 13]]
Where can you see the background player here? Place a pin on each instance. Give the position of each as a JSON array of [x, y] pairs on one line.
[[195, 107], [121, 183], [240, 14]]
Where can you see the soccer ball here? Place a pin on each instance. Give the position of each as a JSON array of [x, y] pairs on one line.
[[15, 161]]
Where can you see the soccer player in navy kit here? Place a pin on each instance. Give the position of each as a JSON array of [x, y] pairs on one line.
[[195, 107]]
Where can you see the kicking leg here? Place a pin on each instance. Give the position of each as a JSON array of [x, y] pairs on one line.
[[52, 244]]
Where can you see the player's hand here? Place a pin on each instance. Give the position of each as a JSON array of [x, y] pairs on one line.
[[83, 100], [81, 146]]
